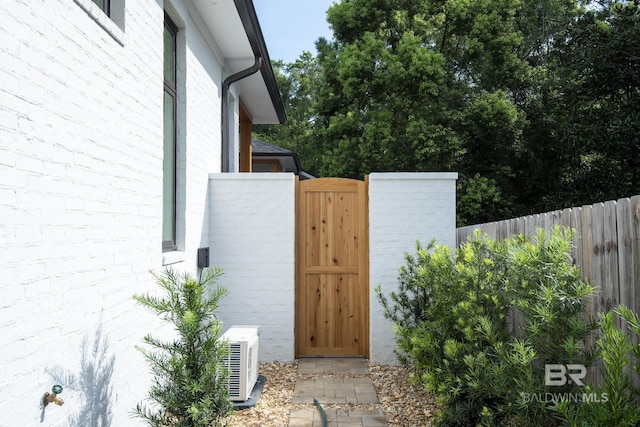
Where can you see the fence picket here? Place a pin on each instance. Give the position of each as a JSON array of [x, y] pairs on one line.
[[576, 224], [597, 264], [628, 219], [610, 280], [589, 239], [587, 243]]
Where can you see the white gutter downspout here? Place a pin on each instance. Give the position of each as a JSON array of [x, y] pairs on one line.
[[225, 107]]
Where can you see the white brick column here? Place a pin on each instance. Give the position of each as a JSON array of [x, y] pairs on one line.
[[252, 238], [403, 208]]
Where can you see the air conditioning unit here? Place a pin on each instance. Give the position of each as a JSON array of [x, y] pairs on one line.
[[242, 360]]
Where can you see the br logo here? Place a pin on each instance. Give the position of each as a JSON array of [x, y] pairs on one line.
[[559, 375]]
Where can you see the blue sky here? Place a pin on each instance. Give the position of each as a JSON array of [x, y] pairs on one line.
[[292, 26]]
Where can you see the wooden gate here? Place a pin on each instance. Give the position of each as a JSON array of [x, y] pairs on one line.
[[332, 263]]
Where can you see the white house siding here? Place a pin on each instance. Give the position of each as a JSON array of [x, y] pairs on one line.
[[403, 208], [81, 194], [253, 240], [198, 133]]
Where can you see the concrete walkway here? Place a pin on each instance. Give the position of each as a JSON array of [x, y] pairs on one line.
[[344, 389]]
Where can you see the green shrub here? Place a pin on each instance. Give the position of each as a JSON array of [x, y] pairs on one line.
[[189, 378], [454, 315], [617, 400]]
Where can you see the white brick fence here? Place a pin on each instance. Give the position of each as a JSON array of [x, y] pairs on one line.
[[252, 237]]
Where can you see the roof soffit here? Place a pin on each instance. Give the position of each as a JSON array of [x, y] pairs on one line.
[[223, 21]]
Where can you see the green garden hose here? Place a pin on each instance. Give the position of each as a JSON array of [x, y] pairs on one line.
[[323, 414]]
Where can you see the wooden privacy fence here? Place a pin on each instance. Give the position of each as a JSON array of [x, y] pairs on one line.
[[607, 246]]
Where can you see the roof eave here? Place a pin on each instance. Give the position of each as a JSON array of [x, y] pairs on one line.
[[253, 31]]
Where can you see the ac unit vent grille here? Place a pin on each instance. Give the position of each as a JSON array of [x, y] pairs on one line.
[[242, 361]]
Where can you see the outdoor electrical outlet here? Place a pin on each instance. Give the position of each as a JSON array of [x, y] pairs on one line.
[[203, 257]]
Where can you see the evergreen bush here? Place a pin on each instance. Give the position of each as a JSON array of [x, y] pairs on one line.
[[456, 317], [615, 403], [189, 386]]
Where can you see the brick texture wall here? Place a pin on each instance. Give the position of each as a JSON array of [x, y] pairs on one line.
[[81, 204], [81, 195], [252, 239], [403, 208]]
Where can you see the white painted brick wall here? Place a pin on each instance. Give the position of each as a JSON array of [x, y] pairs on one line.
[[403, 208], [198, 138], [81, 194], [252, 228], [81, 204]]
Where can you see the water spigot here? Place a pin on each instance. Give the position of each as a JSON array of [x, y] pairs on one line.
[[53, 396]]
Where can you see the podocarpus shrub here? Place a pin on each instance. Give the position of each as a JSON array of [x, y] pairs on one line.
[[189, 386], [454, 315], [615, 403]]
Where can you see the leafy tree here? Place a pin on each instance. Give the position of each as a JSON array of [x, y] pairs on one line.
[[382, 82], [298, 84], [480, 198], [600, 62], [433, 85], [190, 379], [534, 103]]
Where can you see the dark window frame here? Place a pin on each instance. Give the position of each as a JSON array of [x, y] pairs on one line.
[[170, 87], [110, 15], [105, 7]]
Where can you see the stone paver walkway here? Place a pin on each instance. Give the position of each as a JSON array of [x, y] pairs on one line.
[[344, 389]]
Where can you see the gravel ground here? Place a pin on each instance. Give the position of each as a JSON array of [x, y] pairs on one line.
[[404, 404], [275, 404]]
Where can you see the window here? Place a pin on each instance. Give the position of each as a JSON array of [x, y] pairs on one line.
[[109, 14], [104, 5], [169, 134]]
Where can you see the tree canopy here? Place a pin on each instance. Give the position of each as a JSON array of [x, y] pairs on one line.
[[534, 103]]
